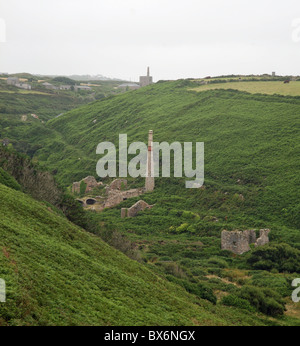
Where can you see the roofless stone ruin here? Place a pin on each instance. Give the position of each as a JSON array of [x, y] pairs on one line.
[[239, 242]]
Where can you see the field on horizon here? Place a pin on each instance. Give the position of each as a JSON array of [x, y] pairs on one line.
[[256, 87]]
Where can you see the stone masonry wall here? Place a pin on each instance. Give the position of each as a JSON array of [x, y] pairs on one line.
[[133, 210], [239, 241]]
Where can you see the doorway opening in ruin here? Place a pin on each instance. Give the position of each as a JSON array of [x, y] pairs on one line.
[[90, 201]]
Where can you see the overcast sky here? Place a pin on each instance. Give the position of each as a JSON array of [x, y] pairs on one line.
[[176, 38]]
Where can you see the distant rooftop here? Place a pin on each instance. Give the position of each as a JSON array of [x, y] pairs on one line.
[[128, 84]]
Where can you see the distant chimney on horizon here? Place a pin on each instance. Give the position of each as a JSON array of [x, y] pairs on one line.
[[146, 80]]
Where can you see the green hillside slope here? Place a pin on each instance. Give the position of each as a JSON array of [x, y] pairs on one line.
[[58, 274], [252, 156], [251, 142]]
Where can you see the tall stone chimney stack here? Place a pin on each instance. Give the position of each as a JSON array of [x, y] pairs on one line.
[[149, 184], [148, 72]]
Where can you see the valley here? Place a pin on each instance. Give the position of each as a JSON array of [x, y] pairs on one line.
[[110, 266]]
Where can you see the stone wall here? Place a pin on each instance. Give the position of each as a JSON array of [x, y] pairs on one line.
[[133, 210], [236, 241], [76, 187], [115, 193], [145, 80], [263, 237], [90, 182], [115, 197], [251, 236], [118, 184], [239, 241], [112, 199]]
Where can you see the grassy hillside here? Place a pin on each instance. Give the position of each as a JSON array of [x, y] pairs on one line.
[[48, 103], [45, 104], [17, 106], [58, 274], [250, 141], [252, 167]]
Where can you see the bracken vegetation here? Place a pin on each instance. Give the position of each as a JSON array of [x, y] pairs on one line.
[[252, 163]]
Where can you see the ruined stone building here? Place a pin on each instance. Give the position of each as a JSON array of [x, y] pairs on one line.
[[12, 80], [90, 184], [49, 86], [133, 210], [23, 86], [146, 80], [117, 191], [239, 241]]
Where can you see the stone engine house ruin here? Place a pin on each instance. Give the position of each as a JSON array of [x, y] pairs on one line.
[[239, 241], [117, 191]]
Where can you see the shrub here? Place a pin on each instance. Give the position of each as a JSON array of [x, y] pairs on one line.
[[218, 262], [8, 180], [82, 188], [199, 272], [123, 244], [174, 269], [197, 289], [190, 215], [182, 228], [176, 213], [233, 300], [280, 284], [191, 229], [264, 300], [166, 258], [282, 257], [76, 214], [292, 215]]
